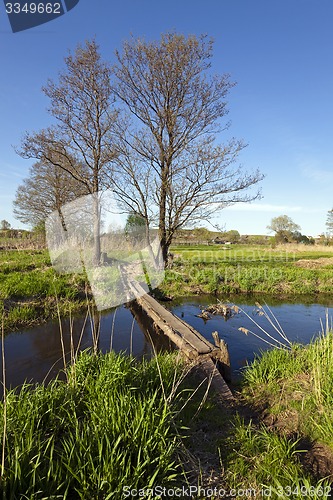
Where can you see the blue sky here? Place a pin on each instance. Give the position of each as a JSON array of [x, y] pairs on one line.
[[280, 53]]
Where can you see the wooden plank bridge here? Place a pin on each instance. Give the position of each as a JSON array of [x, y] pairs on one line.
[[213, 359]]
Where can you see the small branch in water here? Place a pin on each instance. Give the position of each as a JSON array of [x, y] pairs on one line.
[[278, 344]]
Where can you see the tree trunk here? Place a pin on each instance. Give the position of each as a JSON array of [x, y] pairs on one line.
[[165, 252], [162, 230], [154, 258], [96, 230], [62, 220]]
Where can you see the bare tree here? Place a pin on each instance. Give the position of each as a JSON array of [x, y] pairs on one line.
[[171, 170], [80, 142], [46, 190]]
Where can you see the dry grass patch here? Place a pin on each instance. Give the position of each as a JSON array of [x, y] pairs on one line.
[[302, 248], [321, 262]]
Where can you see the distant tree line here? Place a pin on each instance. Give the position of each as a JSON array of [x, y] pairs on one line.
[[4, 225]]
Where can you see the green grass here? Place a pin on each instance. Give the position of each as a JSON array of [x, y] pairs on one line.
[[32, 291], [267, 464], [248, 269], [292, 389], [285, 403], [298, 381], [118, 423], [111, 425]]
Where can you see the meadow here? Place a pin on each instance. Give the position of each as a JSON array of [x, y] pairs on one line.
[[32, 292], [285, 270]]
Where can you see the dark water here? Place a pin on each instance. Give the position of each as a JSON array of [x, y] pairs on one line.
[[36, 354], [299, 321]]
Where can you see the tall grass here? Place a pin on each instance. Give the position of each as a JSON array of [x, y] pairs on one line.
[[108, 427], [300, 379], [266, 464]]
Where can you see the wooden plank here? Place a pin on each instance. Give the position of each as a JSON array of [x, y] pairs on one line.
[[192, 337], [178, 340], [189, 341], [217, 381], [168, 321]]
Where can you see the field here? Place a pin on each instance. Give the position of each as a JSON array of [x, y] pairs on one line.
[[32, 292], [284, 271]]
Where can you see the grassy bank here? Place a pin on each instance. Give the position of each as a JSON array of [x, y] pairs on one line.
[[296, 388], [112, 425], [117, 426], [285, 270], [32, 292], [291, 391], [276, 440]]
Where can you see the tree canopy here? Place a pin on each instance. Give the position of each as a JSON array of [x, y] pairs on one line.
[[285, 228], [171, 169], [160, 150], [46, 190], [80, 142]]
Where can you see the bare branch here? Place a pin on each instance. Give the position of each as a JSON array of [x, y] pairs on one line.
[[177, 109]]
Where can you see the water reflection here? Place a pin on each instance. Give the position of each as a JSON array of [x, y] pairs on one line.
[[36, 354]]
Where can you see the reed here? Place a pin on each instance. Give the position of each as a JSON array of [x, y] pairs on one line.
[[298, 380], [108, 427], [267, 464]]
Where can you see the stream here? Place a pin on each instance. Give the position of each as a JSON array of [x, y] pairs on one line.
[[36, 354]]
